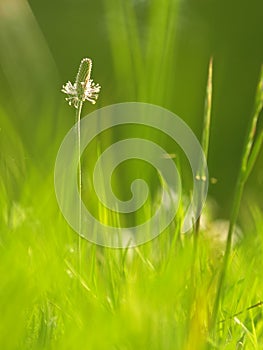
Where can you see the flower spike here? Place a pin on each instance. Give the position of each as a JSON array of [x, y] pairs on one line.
[[84, 89]]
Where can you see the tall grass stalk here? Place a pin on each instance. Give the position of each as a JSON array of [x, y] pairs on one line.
[[84, 89], [78, 117], [195, 268], [251, 150], [206, 128]]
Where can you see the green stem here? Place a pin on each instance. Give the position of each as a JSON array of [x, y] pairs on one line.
[[233, 219], [250, 152], [208, 109], [78, 117], [206, 128]]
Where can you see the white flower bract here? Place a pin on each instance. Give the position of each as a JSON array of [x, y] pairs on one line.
[[85, 91]]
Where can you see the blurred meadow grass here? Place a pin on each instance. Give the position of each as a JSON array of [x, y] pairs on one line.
[[159, 295]]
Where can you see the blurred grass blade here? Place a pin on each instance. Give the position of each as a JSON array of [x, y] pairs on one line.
[[206, 130], [160, 49], [256, 137], [120, 42], [28, 75], [248, 159], [208, 108]]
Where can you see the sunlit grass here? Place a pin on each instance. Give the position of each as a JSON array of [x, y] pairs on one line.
[[160, 295]]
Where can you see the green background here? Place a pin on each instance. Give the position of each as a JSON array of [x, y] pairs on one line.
[[58, 291], [149, 51]]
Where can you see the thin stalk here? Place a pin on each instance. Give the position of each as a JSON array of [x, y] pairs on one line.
[[78, 117], [259, 304], [254, 153], [249, 156], [208, 109], [206, 128], [84, 89], [195, 271]]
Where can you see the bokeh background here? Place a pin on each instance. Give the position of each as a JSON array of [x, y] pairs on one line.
[[60, 292], [151, 51]]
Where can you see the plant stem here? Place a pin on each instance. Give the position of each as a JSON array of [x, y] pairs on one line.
[[250, 152], [206, 128], [78, 117]]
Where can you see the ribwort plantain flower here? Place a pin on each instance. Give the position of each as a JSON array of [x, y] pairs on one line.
[[84, 89]]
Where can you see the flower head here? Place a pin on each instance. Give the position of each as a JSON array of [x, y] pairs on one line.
[[84, 88]]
